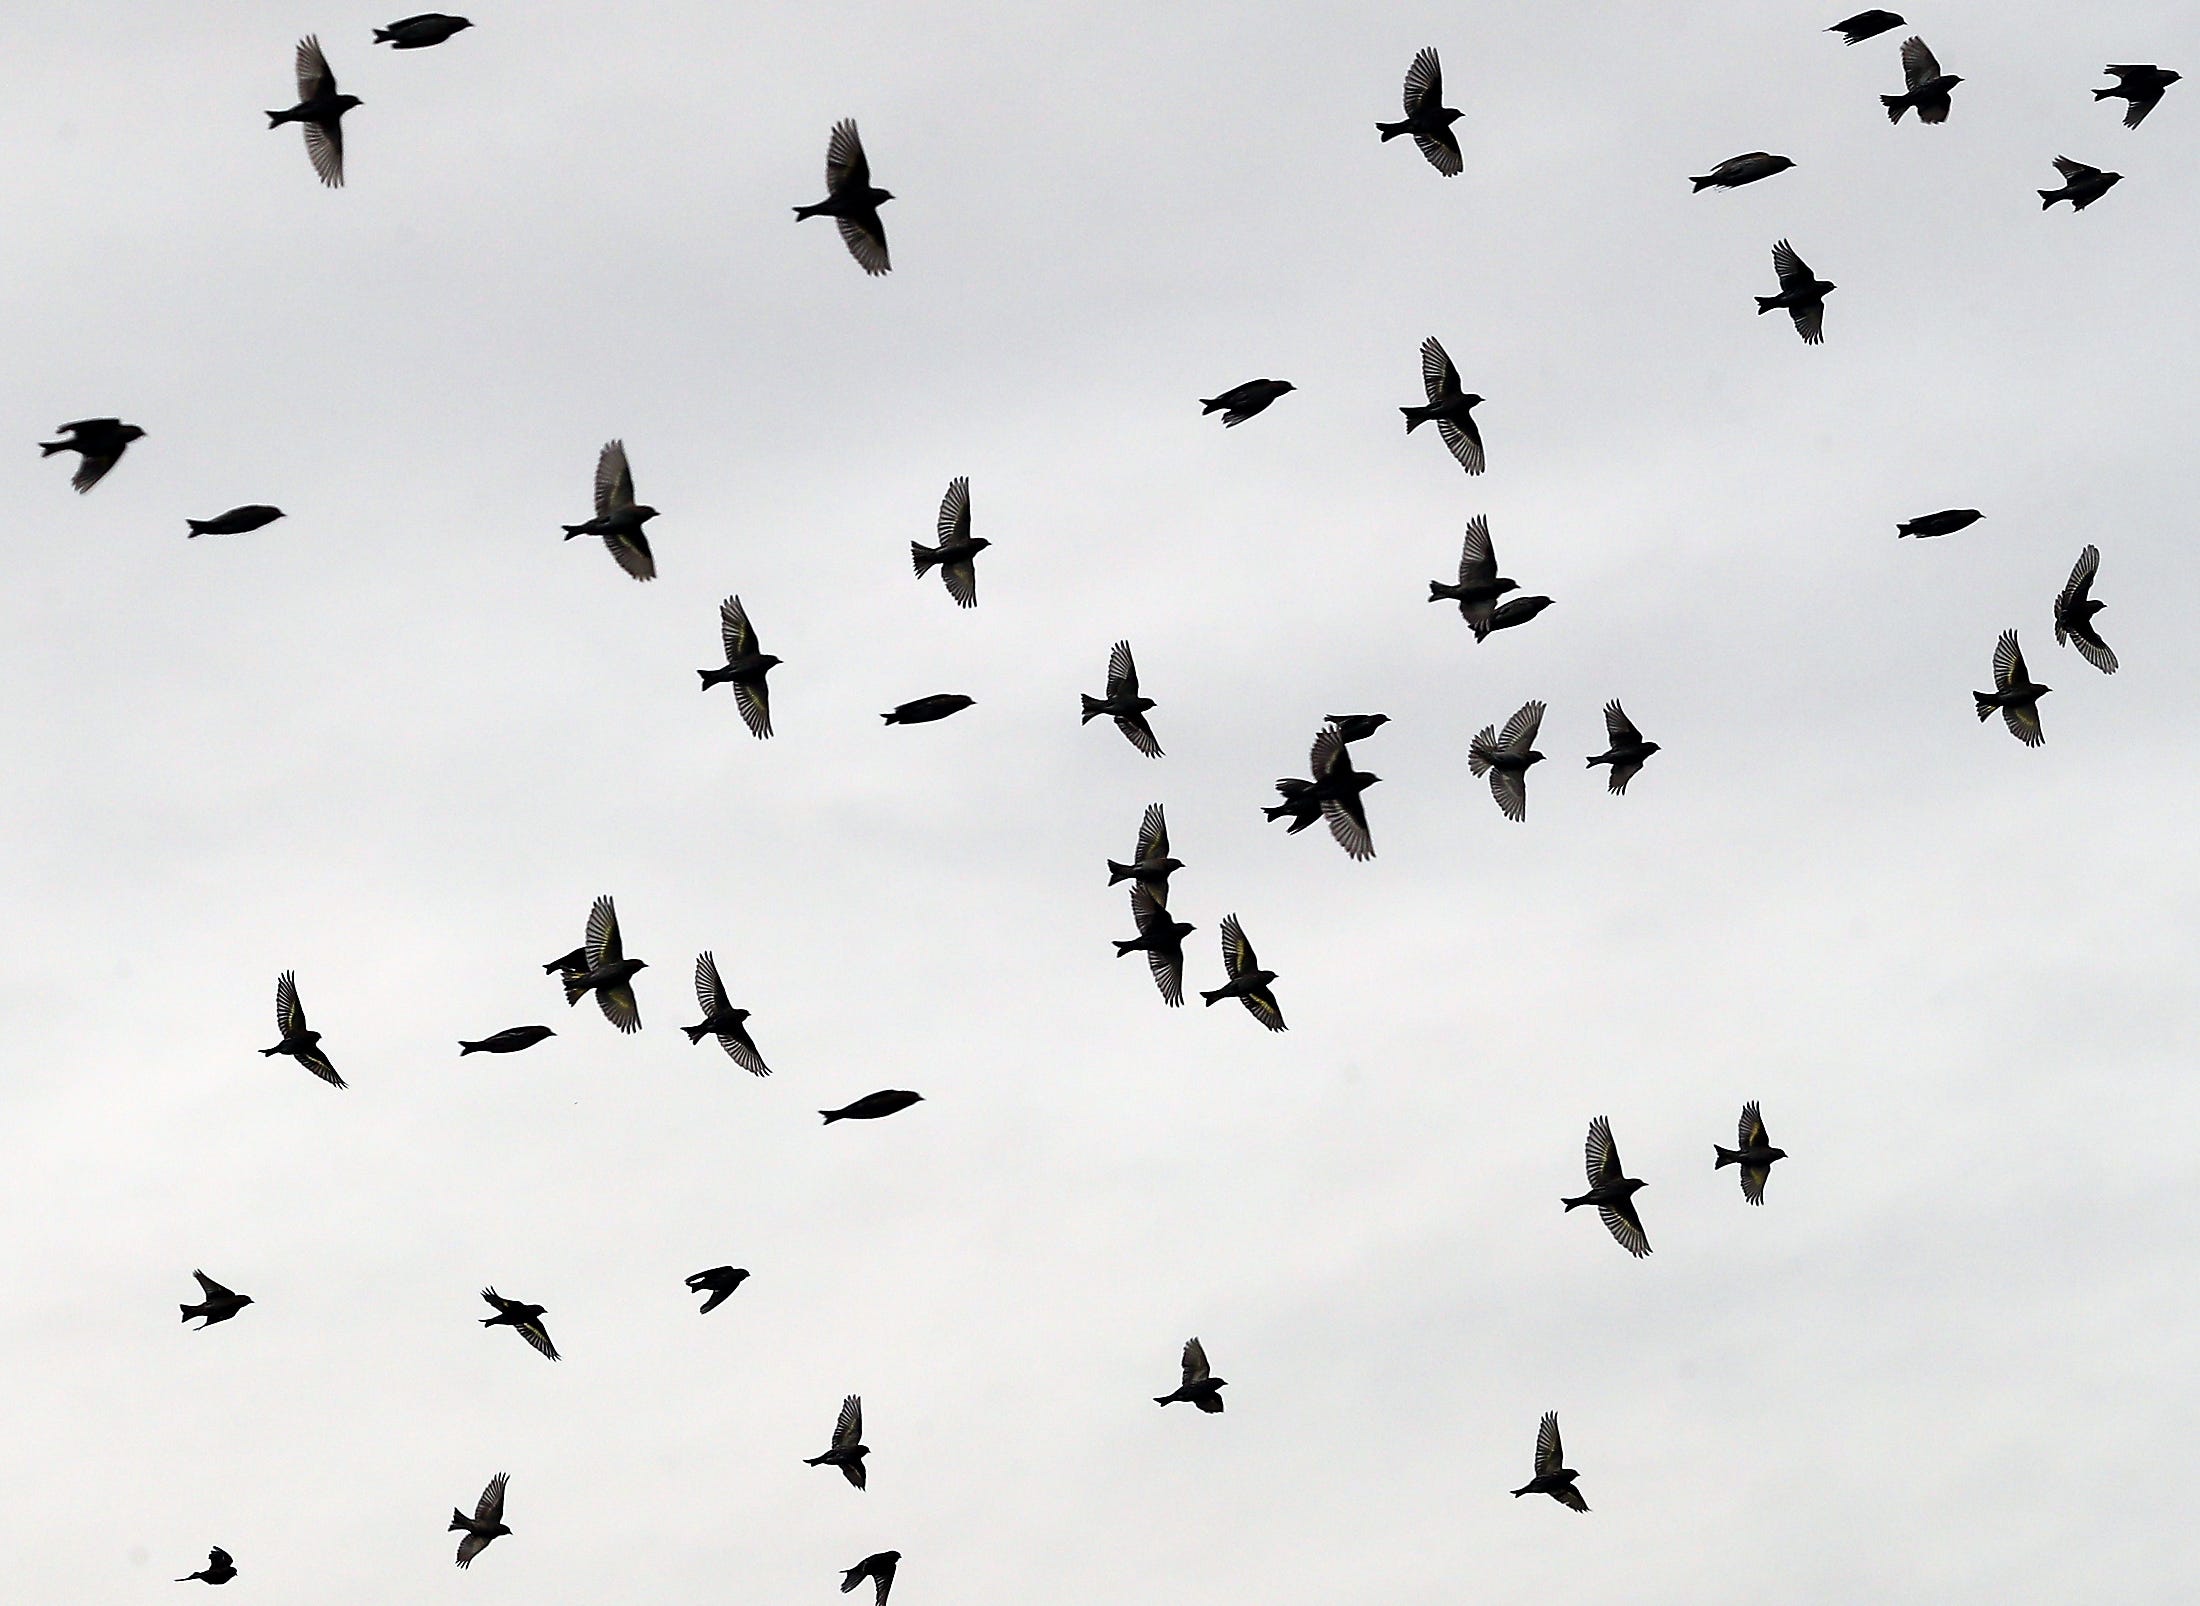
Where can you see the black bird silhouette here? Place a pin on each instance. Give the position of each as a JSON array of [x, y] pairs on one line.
[[1612, 1192], [1866, 25], [320, 112], [2081, 186], [1802, 292], [1508, 614], [509, 1041], [1161, 940], [219, 1569], [1746, 168], [1552, 1476], [1626, 752], [719, 1282], [1753, 1152], [1946, 522], [609, 973], [1123, 703], [1248, 982], [1427, 118], [852, 200], [746, 667], [927, 709], [1507, 759], [485, 1524], [1449, 407], [99, 443], [2014, 693], [955, 556], [879, 1568], [872, 1106], [848, 1448], [526, 1318], [417, 33], [1153, 866], [217, 1304], [1926, 86], [1479, 586], [1200, 1386], [1357, 727], [721, 1020], [1337, 787], [1241, 402], [2140, 87], [237, 521], [300, 1041], [619, 518], [2074, 611]]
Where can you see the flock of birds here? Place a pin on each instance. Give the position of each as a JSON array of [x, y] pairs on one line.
[[1333, 792]]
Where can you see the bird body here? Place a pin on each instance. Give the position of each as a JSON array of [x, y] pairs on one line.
[[418, 33], [745, 669], [1627, 752], [1946, 522], [216, 1304], [219, 1569], [1153, 866], [509, 1041], [1123, 703], [485, 1524], [1161, 940], [619, 518], [519, 1314], [1865, 25], [719, 1282], [1925, 86], [852, 200], [300, 1041], [872, 1106], [2081, 185], [1746, 168], [320, 112], [237, 521], [1611, 1190], [1450, 407], [1427, 118], [2015, 693], [848, 1449], [955, 556], [99, 444], [609, 973], [1753, 1152], [1552, 1476], [1241, 402], [1507, 759], [1802, 293], [2140, 87], [1248, 983], [927, 709], [1335, 788], [1200, 1386], [2074, 611], [721, 1020]]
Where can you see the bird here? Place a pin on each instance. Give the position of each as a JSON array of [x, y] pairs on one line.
[[1507, 759], [485, 1524], [237, 521], [1241, 402], [1946, 522], [1123, 702], [848, 1448], [2140, 87], [852, 200], [509, 1041], [1508, 614], [1736, 171], [1162, 941], [99, 443], [746, 667], [1357, 727], [219, 1569], [218, 1304], [873, 1106], [576, 960], [1450, 408], [527, 1318], [1337, 786], [1753, 1152], [320, 112], [1802, 292], [300, 1042], [1866, 25], [1478, 587], [721, 1020], [1248, 982], [1626, 751], [1611, 1191], [2014, 693], [609, 973], [2081, 186], [955, 556], [1153, 866], [418, 33], [1427, 118], [1552, 1476], [619, 518], [1926, 87], [879, 1568], [719, 1282], [2074, 611], [1200, 1386], [927, 709]]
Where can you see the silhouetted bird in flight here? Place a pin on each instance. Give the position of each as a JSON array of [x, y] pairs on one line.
[[1357, 727], [1627, 752], [927, 709], [1746, 168], [237, 521], [219, 1569], [1946, 522], [2074, 611], [1161, 940], [320, 112], [619, 518], [955, 557], [872, 1106], [609, 973], [99, 442], [519, 1314], [1427, 118], [1753, 1152], [1802, 292], [2081, 186], [1507, 759], [879, 1568], [2014, 693], [1449, 407], [719, 1282], [848, 1448], [721, 1020], [851, 199], [1153, 866], [509, 1041], [485, 1524], [1123, 703], [1552, 1476], [1508, 614], [1337, 786], [1927, 87], [1241, 402], [746, 667], [2140, 86], [1479, 586], [1866, 25], [1248, 982], [217, 1304], [1612, 1192], [417, 33], [1200, 1386], [300, 1041]]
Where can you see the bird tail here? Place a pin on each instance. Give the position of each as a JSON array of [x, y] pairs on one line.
[[1701, 184], [1122, 948], [189, 1311], [1481, 749], [48, 448], [2048, 198], [855, 1577], [198, 528], [1391, 131], [695, 1033], [1276, 813], [383, 36], [1896, 105], [1093, 706], [1215, 997], [458, 1522], [1120, 872], [572, 530], [576, 984], [1900, 530], [1208, 405], [1766, 303], [924, 558], [1599, 759], [2103, 94], [1986, 706], [1415, 417], [802, 212], [277, 119], [465, 1048], [1726, 1158], [1575, 1204], [891, 719]]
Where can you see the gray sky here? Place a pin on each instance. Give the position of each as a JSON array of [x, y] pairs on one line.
[[400, 740]]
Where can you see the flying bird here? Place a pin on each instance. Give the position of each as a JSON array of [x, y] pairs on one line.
[[872, 1106], [746, 667], [1123, 702], [237, 521], [852, 200], [320, 112], [1946, 522], [1450, 408], [1427, 118], [485, 1524], [1866, 25], [1626, 751], [1200, 1386], [927, 709], [217, 1304], [879, 1568], [418, 33], [1753, 1152], [721, 1020], [1552, 1476], [2141, 87], [955, 556], [1357, 727], [2014, 693], [1337, 786], [2074, 611], [1926, 86], [1161, 940], [219, 1569], [1508, 614], [99, 443], [848, 1448], [1153, 865], [300, 1041], [1478, 587], [509, 1041], [719, 1282], [619, 518], [523, 1316], [1241, 402], [1612, 1192], [1746, 168], [2081, 186], [1248, 982], [1802, 292], [1507, 759], [609, 973]]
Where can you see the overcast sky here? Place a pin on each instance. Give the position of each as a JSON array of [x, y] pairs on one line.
[[400, 740]]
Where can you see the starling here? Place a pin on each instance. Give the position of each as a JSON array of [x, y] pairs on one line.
[[1506, 759], [1946, 522], [927, 709], [576, 960], [1153, 866], [955, 556], [721, 1020], [1508, 614], [1300, 808], [1866, 25], [1801, 292], [851, 200], [1123, 702], [219, 1569], [848, 1449], [418, 33], [746, 668], [1449, 408], [99, 442], [299, 1041], [237, 521], [527, 1318], [1479, 586], [2140, 86], [509, 1041], [609, 973], [619, 518], [1357, 727], [1200, 1387], [719, 1282], [1746, 168], [878, 1568], [1241, 402], [218, 1305], [1248, 982], [1337, 787], [2081, 186], [1552, 1476], [1162, 941], [484, 1525], [1926, 86], [320, 112], [1626, 751], [1612, 1193], [1427, 118], [2074, 611], [2014, 693], [1754, 1153], [872, 1106]]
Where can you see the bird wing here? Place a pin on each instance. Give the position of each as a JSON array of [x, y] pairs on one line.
[[866, 242], [1619, 727], [1166, 961], [212, 1289], [743, 1052], [735, 631], [2076, 588], [1510, 788], [846, 167], [470, 1547], [314, 1060], [1347, 818], [1794, 273], [1477, 559], [91, 468], [1550, 1455], [1438, 376], [1424, 90], [1521, 729], [603, 944], [614, 479], [1329, 755], [1442, 150], [1600, 1156], [536, 1334], [710, 992], [1464, 439], [882, 1580], [954, 522], [2008, 662], [1754, 1178], [497, 1300], [1260, 1003], [490, 1507], [1810, 321], [2072, 172], [1918, 65], [630, 548], [960, 575], [754, 700], [1153, 835], [314, 77], [1122, 672], [325, 149], [848, 1430], [2023, 720], [290, 1015], [2093, 649], [1620, 775], [1625, 1226], [1751, 1132], [1237, 953], [1139, 734], [1567, 1495], [1195, 1362], [618, 1006]]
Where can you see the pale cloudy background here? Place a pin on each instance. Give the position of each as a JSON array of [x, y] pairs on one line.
[[400, 740]]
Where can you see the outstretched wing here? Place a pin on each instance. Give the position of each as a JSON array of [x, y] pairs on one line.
[[1195, 1362], [1567, 1495], [1600, 1155], [314, 77], [1424, 91], [1237, 953], [614, 479], [1793, 272], [1624, 1225], [490, 1507], [1477, 558], [1521, 729], [1438, 376], [536, 1334], [1550, 1455], [325, 150], [618, 1006], [212, 1289], [846, 167], [735, 630], [710, 992], [1153, 835], [1122, 672], [290, 1015], [1463, 438], [1619, 727], [2008, 662], [954, 522], [603, 935], [1510, 788], [1918, 65], [848, 1430]]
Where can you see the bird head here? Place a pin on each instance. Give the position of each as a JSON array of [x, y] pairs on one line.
[[1950, 80], [130, 432], [458, 23], [1530, 758], [979, 543], [639, 964], [1776, 1154], [1182, 928], [1283, 385], [2162, 75], [1367, 778], [344, 103], [1503, 586], [643, 512], [1171, 866], [1648, 748], [878, 195], [769, 661], [1470, 400], [244, 1299]]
